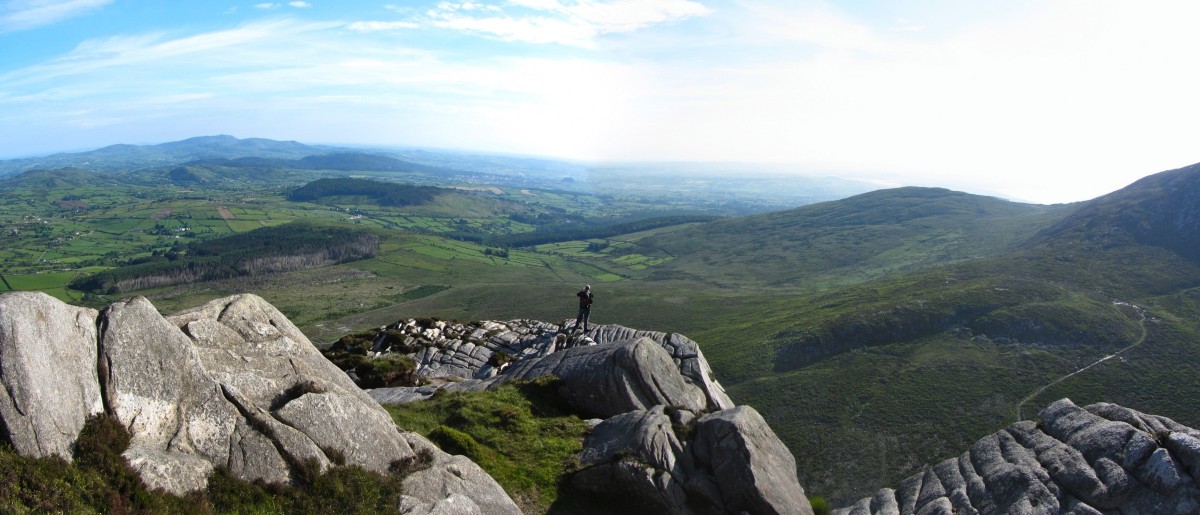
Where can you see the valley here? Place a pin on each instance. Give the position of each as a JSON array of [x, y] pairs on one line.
[[877, 332]]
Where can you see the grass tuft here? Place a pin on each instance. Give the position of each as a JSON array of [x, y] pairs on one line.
[[522, 434]]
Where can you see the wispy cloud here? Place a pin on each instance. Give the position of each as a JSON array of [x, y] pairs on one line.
[[267, 6], [375, 26], [16, 15], [323, 74], [571, 22]]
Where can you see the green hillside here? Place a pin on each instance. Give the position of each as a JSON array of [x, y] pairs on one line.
[[847, 241]]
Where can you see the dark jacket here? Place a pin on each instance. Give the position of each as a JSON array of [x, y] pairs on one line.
[[585, 299]]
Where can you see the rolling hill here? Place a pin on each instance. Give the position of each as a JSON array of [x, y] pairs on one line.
[[125, 157], [851, 240]]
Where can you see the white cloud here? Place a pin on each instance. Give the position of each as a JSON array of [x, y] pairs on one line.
[[550, 21], [16, 15], [266, 5], [300, 4], [528, 29]]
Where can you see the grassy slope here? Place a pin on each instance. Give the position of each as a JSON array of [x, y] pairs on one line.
[[848, 241]]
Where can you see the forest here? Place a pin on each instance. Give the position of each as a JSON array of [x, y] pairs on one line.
[[295, 246], [385, 193]]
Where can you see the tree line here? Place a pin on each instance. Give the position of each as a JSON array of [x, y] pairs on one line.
[[295, 246], [576, 232], [384, 193]]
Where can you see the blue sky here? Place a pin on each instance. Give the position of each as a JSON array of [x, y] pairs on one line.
[[1045, 101]]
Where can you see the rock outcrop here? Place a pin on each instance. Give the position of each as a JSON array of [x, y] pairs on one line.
[[474, 355], [1101, 458], [48, 371], [670, 440], [230, 384]]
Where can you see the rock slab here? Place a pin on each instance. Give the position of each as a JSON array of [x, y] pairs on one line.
[[1101, 458]]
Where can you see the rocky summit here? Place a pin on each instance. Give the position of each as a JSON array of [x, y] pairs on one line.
[[666, 437]]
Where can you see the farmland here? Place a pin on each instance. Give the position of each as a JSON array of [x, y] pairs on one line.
[[65, 225]]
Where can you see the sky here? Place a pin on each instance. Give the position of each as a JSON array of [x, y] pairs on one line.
[[1042, 101]]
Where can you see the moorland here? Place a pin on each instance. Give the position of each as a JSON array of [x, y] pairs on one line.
[[877, 330]]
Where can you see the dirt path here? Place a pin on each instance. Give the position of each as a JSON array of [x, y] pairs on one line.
[[1140, 340]]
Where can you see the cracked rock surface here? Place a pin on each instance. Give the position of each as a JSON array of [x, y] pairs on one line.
[[466, 355], [1101, 458], [230, 384]]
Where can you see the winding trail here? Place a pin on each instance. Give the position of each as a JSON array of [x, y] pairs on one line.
[[1141, 339]]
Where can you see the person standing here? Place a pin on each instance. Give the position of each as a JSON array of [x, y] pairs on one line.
[[585, 307]]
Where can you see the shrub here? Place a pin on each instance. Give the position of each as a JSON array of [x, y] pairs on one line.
[[387, 370], [499, 359], [820, 506], [357, 343], [454, 441]]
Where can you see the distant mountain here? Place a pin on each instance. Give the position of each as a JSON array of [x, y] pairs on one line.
[[125, 157], [851, 240], [338, 161], [1162, 210]]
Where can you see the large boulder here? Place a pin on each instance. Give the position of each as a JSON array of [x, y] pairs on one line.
[[230, 384], [48, 372], [607, 380], [274, 376], [154, 385], [684, 352], [637, 456], [1101, 458], [742, 466], [726, 462]]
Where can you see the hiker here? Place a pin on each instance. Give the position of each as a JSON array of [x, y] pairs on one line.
[[585, 306]]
